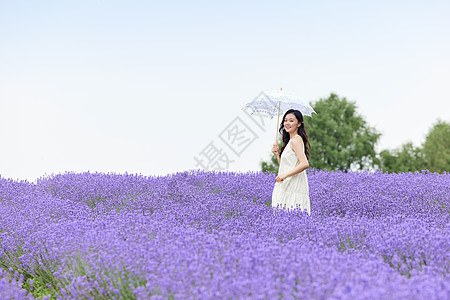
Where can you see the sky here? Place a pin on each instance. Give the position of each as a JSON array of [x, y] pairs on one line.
[[158, 87]]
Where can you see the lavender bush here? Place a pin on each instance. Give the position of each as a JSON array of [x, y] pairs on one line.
[[203, 235]]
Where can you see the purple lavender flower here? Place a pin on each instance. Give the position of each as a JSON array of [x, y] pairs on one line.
[[198, 234]]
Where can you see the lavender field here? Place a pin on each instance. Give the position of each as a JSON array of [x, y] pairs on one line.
[[214, 235]]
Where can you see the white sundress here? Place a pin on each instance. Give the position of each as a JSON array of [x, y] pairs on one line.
[[293, 192]]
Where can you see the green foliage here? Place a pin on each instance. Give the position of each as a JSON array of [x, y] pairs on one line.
[[339, 137], [406, 159], [44, 282], [436, 147], [433, 155]]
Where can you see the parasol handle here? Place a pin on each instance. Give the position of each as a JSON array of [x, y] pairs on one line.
[[278, 120]]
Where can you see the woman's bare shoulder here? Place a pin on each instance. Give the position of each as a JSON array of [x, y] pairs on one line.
[[297, 142]]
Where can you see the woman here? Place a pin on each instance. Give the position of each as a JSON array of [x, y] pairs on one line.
[[291, 187]]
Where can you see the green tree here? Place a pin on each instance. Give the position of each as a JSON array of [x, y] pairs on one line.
[[405, 159], [434, 154], [436, 147], [339, 137]]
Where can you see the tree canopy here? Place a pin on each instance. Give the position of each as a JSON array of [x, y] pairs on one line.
[[407, 158], [433, 154], [436, 147]]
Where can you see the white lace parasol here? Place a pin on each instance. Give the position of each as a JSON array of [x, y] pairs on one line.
[[274, 102]]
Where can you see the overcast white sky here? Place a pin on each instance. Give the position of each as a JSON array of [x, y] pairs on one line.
[[145, 86]]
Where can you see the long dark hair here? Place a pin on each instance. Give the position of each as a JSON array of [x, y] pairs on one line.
[[300, 131]]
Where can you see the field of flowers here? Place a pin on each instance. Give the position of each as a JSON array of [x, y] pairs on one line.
[[214, 235]]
